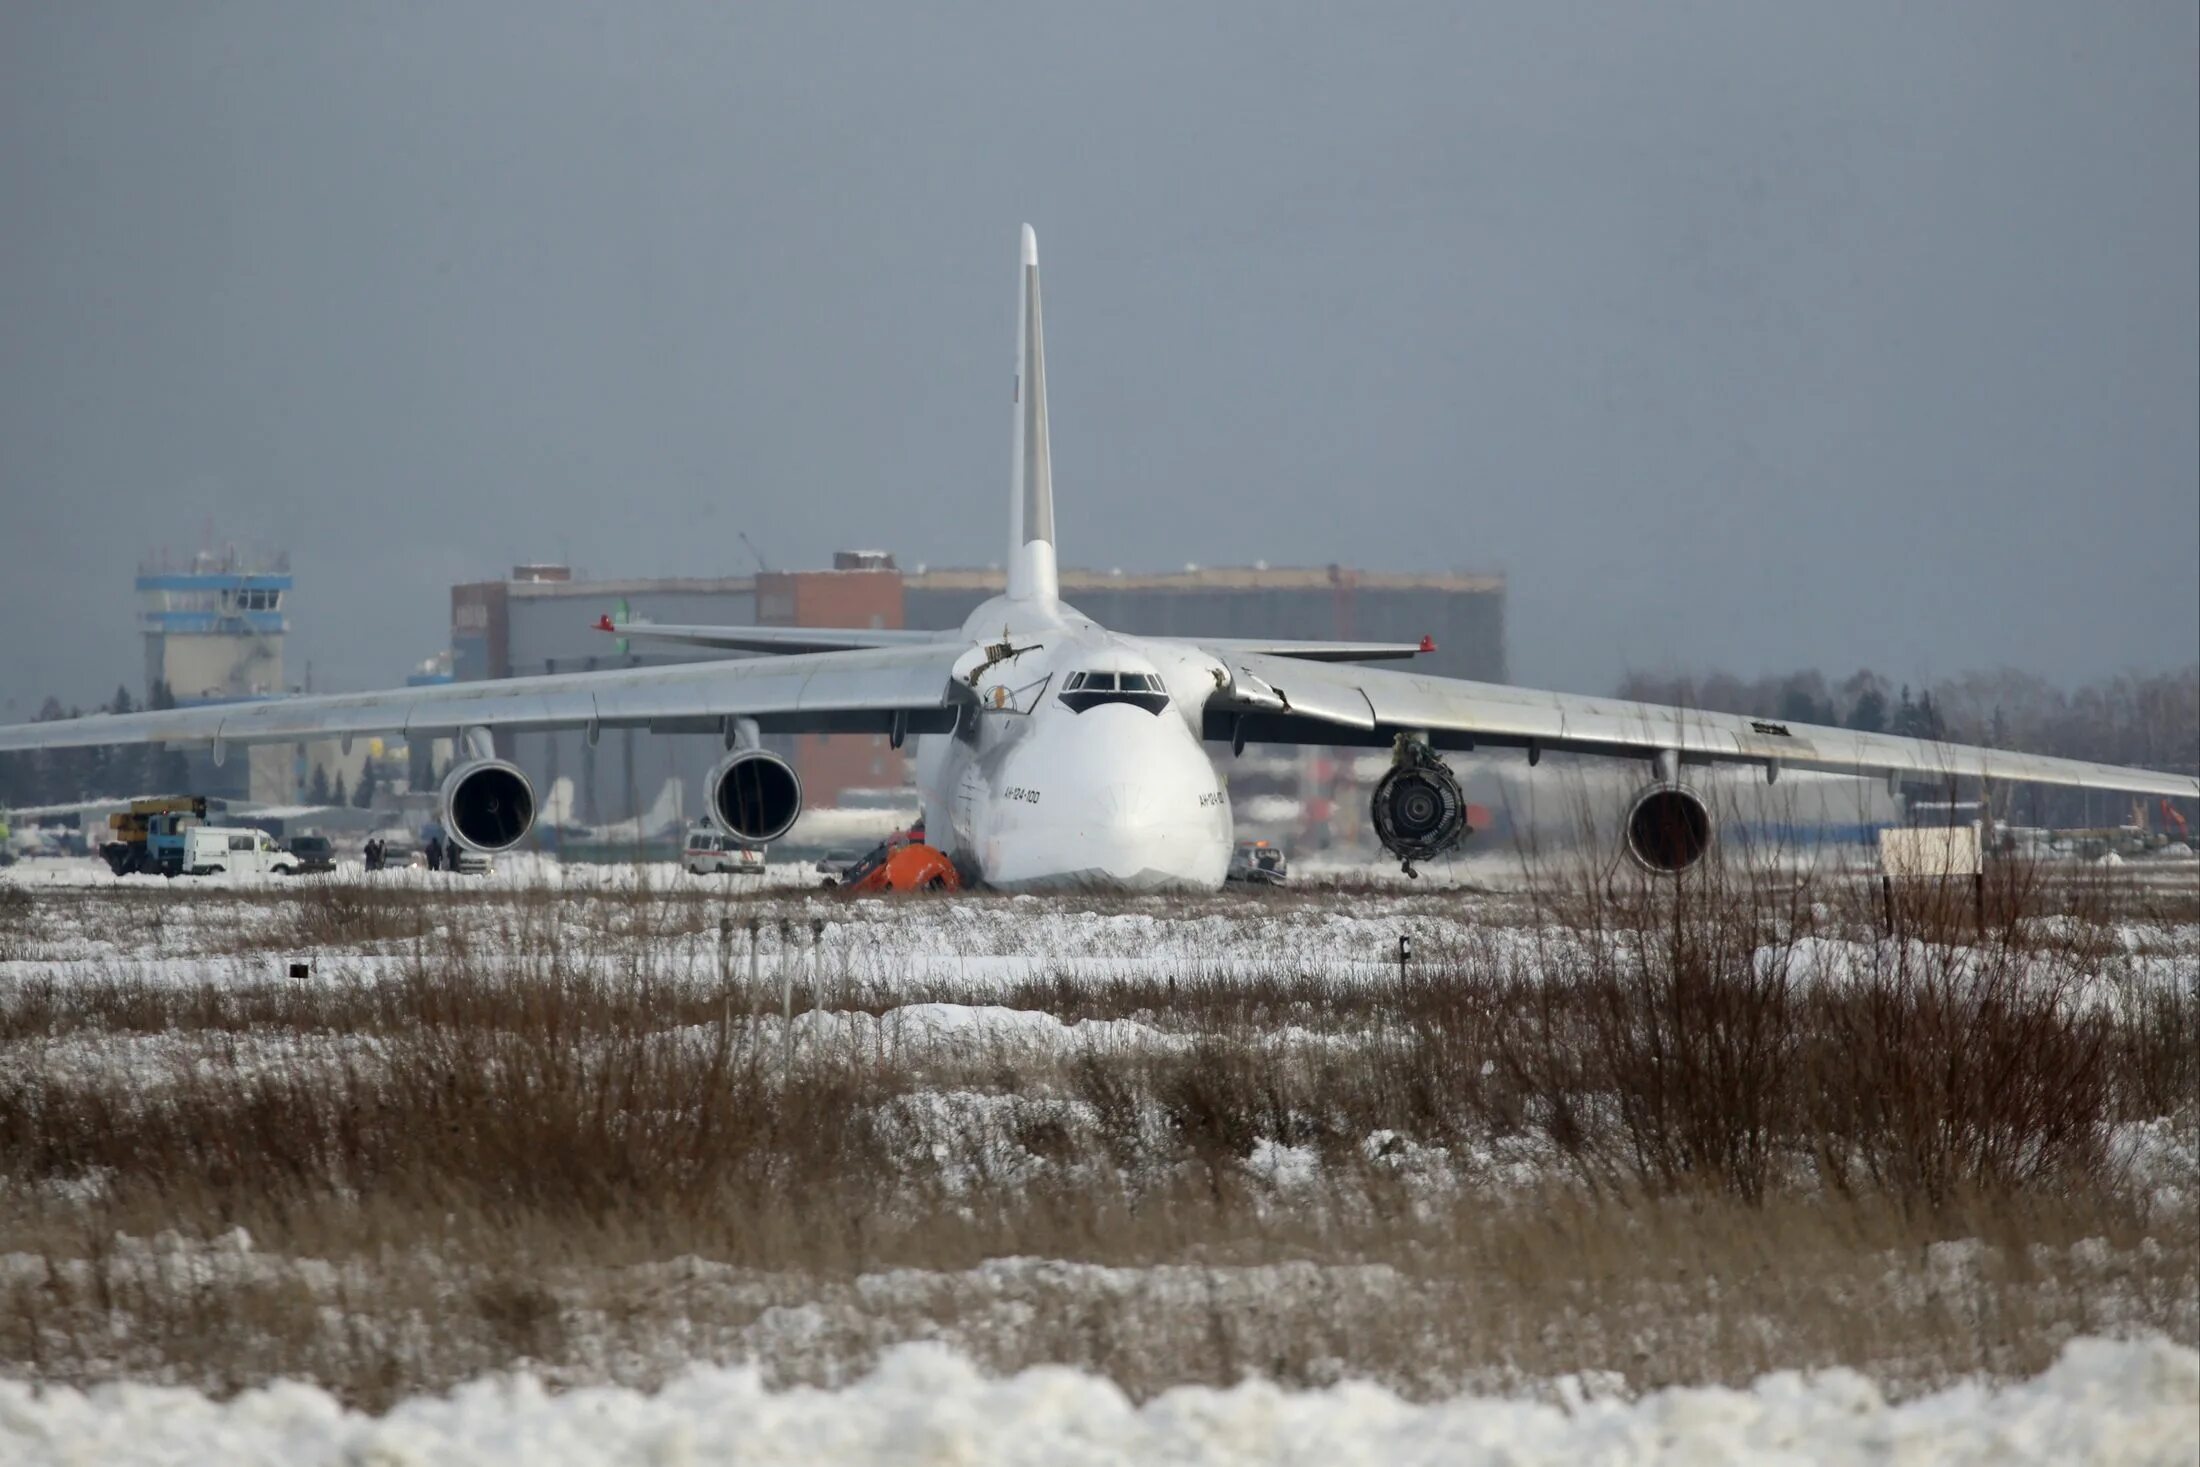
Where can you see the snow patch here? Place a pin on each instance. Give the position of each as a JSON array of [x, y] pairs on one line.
[[2101, 1401]]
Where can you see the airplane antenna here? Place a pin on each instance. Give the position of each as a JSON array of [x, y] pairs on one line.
[[745, 540]]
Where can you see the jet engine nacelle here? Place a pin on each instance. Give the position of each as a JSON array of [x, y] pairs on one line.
[[1668, 827], [1420, 811], [488, 805], [755, 795]]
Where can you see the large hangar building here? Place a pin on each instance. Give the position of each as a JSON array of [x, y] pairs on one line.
[[543, 619]]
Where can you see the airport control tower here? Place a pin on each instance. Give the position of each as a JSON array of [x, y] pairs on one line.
[[214, 626]]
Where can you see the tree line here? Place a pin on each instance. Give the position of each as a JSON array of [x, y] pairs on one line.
[[61, 776]]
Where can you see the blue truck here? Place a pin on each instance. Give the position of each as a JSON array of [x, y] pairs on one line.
[[148, 837]]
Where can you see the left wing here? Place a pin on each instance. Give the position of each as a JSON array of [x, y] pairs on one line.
[[1274, 700], [879, 690]]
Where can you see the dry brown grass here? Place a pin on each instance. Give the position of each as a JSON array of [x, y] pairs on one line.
[[1505, 1297], [1631, 1127]]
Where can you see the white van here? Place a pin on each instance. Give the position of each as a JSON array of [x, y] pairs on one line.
[[208, 849], [709, 850]]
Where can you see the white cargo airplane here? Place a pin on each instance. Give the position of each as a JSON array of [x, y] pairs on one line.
[[1055, 753]]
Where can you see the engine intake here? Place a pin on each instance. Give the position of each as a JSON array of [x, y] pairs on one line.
[[1419, 810], [488, 805], [755, 795], [1669, 828]]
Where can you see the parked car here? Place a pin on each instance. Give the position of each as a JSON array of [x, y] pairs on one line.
[[209, 850], [1259, 862], [314, 853], [709, 851]]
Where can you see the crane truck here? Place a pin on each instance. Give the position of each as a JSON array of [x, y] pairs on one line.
[[150, 835]]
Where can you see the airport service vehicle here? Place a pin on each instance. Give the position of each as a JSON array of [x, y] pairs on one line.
[[902, 863], [833, 865], [149, 835], [314, 852], [1259, 862], [710, 851], [211, 850], [1052, 752]]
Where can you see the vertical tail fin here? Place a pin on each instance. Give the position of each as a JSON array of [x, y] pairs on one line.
[[1031, 565]]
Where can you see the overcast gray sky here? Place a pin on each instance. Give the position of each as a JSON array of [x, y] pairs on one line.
[[1739, 335]]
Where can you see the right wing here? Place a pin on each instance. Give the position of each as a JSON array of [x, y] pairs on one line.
[[878, 690]]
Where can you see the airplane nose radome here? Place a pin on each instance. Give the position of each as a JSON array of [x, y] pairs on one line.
[[1124, 806], [1143, 818]]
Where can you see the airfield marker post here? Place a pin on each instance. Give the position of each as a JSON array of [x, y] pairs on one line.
[[725, 979], [786, 1002], [1405, 951], [751, 998]]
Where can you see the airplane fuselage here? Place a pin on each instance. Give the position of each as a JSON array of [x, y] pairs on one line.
[[1080, 763]]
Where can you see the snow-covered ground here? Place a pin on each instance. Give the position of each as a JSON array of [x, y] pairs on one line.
[[2102, 1402], [946, 985]]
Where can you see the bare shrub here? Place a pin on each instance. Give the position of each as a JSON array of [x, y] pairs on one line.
[[1693, 1026], [353, 914], [2155, 1066], [1740, 1033], [17, 912], [1928, 1079]]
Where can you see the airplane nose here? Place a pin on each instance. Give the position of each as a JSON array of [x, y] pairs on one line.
[[1145, 815]]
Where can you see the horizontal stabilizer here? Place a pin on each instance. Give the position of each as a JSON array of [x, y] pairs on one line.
[[1309, 651], [765, 639]]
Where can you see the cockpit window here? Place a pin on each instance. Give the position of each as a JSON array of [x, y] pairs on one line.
[[1082, 690]]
